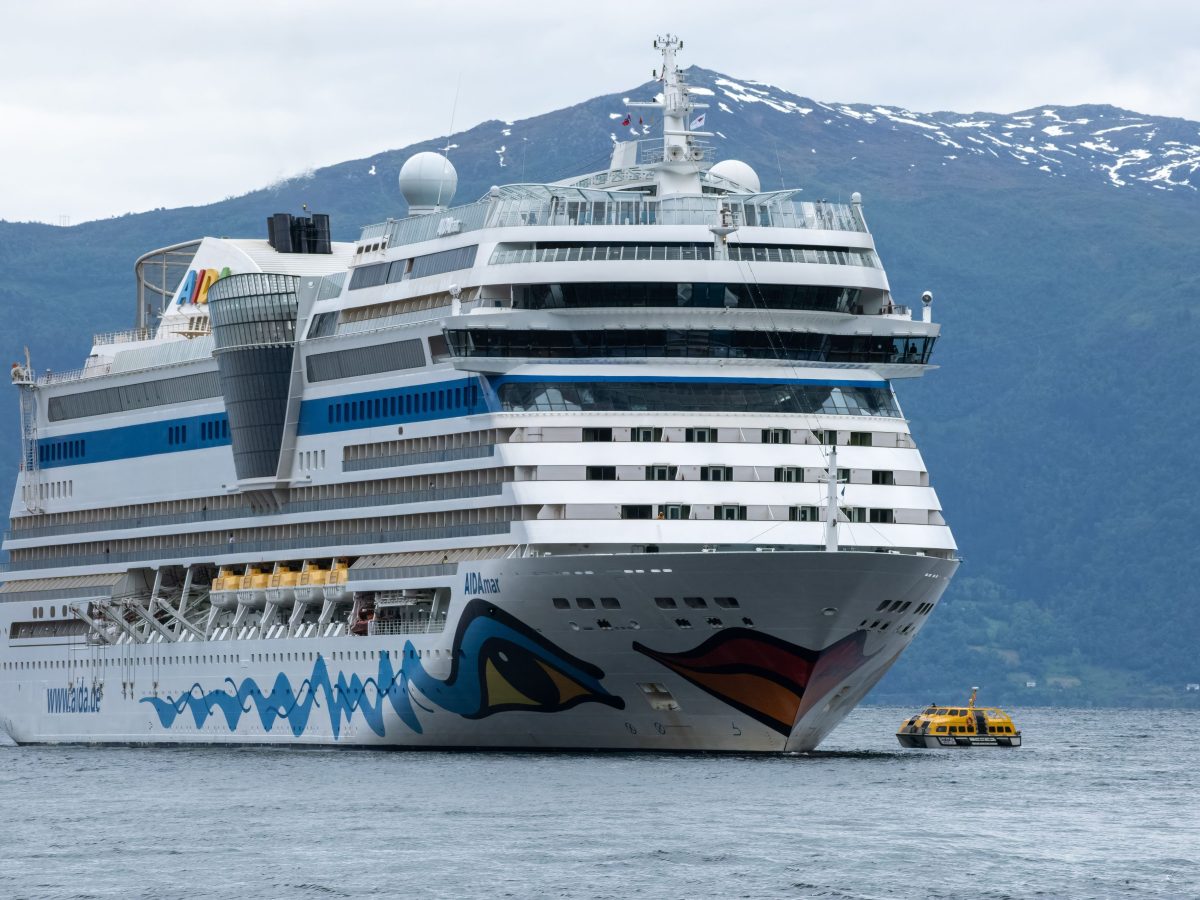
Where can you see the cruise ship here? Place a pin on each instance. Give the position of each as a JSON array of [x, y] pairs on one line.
[[609, 463]]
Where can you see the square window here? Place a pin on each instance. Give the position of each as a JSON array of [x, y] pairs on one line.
[[665, 602], [585, 602], [561, 603], [610, 603], [695, 602], [776, 436]]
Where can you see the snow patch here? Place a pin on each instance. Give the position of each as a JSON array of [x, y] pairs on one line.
[[1119, 128], [701, 91]]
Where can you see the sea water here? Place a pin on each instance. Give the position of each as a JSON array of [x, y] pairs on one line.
[[1098, 803]]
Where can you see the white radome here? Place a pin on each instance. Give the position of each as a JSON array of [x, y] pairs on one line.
[[428, 180], [739, 173]]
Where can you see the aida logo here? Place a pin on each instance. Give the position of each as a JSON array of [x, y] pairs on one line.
[[75, 699], [474, 584], [194, 290]]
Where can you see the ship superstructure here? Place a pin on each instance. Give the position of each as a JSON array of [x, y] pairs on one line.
[[614, 462]]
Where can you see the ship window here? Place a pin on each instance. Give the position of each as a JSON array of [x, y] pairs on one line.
[[674, 511], [683, 623], [631, 511], [789, 473], [895, 605], [561, 603], [716, 473], [861, 439], [610, 603], [803, 513], [665, 602], [729, 512], [776, 436], [601, 473], [660, 473], [726, 602], [585, 602], [597, 434], [882, 516], [880, 477], [700, 435], [646, 434], [697, 396], [694, 602]]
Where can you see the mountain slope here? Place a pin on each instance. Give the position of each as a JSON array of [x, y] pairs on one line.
[[1059, 243]]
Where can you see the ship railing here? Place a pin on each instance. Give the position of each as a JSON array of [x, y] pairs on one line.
[[554, 205], [132, 335], [123, 337], [93, 369], [421, 625], [213, 551]]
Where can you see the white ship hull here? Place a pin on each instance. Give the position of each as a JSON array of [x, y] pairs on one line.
[[510, 670], [551, 468]]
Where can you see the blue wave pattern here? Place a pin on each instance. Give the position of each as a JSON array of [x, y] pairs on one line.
[[499, 664]]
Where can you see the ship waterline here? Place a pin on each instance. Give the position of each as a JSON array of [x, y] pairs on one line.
[[611, 463]]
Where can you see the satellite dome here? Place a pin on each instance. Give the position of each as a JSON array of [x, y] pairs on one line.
[[739, 173], [427, 181]]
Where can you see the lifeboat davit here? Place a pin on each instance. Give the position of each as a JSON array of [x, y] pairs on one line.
[[253, 590], [224, 590], [310, 585], [337, 586], [281, 586]]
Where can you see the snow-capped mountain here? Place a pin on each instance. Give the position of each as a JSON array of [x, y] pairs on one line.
[[1120, 147]]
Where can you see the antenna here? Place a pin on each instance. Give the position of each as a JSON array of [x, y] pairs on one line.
[[450, 134]]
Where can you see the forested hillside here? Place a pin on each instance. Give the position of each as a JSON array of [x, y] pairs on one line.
[[1060, 245]]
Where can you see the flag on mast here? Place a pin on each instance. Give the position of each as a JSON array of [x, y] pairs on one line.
[[698, 122]]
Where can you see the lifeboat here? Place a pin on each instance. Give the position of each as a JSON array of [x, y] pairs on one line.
[[253, 588], [337, 586], [310, 584], [960, 726], [281, 586], [224, 590]]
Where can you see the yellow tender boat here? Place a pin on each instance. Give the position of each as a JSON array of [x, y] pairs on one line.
[[960, 726]]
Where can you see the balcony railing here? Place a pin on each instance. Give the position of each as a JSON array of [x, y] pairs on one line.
[[556, 205]]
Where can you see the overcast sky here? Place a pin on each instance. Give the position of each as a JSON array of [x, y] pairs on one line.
[[113, 106]]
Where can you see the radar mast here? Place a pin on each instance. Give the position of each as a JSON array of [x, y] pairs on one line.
[[679, 170]]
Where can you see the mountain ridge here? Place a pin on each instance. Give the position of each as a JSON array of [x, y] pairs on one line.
[[1062, 299]]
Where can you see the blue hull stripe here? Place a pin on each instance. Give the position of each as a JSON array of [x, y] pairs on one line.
[[347, 412]]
